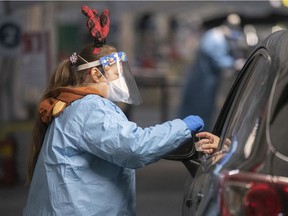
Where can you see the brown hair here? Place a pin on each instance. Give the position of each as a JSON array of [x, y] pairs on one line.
[[65, 75]]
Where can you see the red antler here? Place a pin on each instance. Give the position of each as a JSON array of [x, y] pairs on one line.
[[105, 22], [99, 27]]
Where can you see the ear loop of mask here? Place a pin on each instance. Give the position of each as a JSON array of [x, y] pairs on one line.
[[103, 82], [97, 70], [83, 59]]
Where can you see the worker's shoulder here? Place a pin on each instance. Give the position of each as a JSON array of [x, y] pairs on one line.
[[93, 101]]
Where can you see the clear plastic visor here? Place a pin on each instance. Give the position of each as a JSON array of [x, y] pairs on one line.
[[122, 85]]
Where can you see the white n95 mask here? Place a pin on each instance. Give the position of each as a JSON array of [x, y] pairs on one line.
[[118, 90]]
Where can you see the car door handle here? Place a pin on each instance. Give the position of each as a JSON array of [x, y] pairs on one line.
[[197, 200]]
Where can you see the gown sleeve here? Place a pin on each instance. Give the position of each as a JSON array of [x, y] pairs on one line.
[[109, 135], [216, 46]]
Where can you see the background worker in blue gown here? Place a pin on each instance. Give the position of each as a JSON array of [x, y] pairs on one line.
[[218, 53], [85, 151]]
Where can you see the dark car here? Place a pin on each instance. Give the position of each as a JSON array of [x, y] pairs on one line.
[[250, 175]]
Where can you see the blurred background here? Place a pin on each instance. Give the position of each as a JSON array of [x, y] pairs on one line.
[[160, 38]]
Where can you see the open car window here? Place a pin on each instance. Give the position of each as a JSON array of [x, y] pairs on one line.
[[248, 106]]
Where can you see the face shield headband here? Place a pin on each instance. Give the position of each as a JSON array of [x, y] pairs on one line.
[[122, 85]]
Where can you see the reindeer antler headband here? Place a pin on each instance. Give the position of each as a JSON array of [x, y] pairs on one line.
[[98, 26]]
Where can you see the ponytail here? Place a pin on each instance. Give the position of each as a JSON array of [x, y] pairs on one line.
[[63, 76]]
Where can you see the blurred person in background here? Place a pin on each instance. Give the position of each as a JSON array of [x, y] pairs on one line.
[[219, 55], [84, 150]]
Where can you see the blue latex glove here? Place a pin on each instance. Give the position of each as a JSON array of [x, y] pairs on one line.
[[194, 123]]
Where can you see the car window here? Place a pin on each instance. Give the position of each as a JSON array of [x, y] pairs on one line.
[[248, 106]]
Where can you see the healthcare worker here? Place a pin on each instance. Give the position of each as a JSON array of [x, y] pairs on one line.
[[85, 151], [218, 56]]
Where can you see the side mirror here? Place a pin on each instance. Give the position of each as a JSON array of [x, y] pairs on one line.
[[186, 151]]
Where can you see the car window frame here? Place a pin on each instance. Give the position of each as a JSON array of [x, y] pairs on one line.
[[229, 107]]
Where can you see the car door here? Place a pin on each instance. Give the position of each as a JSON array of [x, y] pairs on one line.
[[242, 122]]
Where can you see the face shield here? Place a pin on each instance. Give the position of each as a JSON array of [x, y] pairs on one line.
[[122, 85]]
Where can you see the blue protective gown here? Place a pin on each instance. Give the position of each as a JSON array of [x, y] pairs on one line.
[[88, 159]]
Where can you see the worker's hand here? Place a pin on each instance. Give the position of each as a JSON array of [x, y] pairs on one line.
[[194, 123], [207, 143]]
